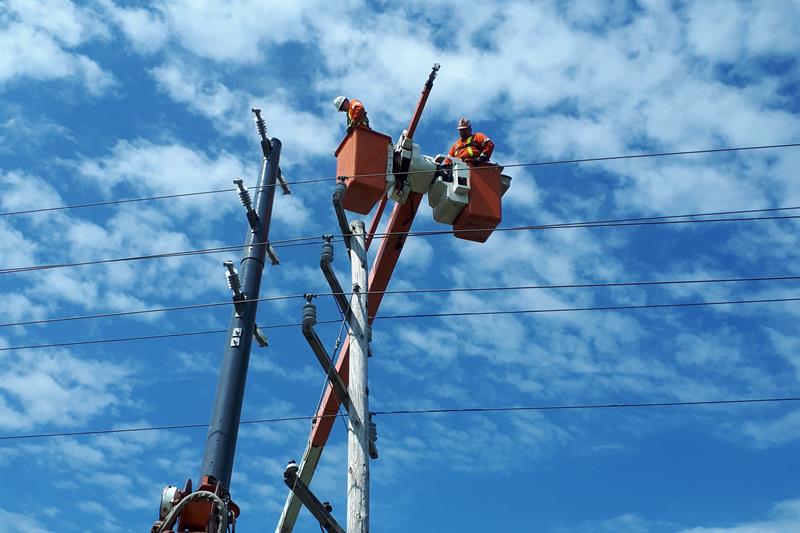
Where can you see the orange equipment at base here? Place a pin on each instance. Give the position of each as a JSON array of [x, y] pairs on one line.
[[367, 155]]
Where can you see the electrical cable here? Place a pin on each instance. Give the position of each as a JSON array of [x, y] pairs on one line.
[[303, 241], [449, 410], [184, 253], [420, 315], [403, 291], [318, 180]]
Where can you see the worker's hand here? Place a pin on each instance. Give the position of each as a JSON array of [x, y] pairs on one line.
[[483, 157]]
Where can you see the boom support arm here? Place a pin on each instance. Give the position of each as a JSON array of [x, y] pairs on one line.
[[423, 99]]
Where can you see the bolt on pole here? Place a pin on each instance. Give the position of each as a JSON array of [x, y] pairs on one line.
[[224, 427], [358, 420]]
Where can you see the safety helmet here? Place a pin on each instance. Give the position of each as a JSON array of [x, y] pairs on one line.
[[338, 101], [464, 124]]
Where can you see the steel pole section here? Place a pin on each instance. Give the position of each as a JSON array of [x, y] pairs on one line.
[[224, 427], [358, 420]]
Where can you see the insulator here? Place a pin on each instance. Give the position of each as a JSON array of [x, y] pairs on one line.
[[234, 283], [327, 252], [244, 194], [340, 188], [373, 431], [309, 313], [261, 126]]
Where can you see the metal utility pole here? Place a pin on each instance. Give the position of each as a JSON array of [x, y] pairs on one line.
[[224, 426], [209, 507], [358, 425]]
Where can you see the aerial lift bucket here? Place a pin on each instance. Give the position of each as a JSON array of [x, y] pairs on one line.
[[483, 213], [367, 155]]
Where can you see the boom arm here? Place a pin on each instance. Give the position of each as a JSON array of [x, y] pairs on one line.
[[423, 98], [385, 262]]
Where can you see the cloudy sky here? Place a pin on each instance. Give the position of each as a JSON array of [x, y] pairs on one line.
[[103, 100]]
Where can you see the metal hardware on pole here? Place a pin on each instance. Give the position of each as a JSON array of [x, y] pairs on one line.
[[358, 419]]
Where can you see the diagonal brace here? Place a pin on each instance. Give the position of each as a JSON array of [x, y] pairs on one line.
[[304, 494]]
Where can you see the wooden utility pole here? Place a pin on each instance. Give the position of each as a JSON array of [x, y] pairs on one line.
[[358, 425]]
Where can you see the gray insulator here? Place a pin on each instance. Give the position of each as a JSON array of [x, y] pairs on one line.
[[340, 189], [247, 201], [261, 126], [327, 253], [309, 313], [369, 333], [234, 283]]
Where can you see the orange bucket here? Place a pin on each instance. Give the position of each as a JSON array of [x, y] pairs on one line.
[[484, 211], [363, 151]]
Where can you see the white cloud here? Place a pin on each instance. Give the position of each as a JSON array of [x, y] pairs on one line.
[[149, 168], [784, 516], [764, 434], [38, 37], [58, 389], [23, 522], [302, 132], [146, 30]]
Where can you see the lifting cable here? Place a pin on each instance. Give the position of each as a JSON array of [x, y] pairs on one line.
[[356, 176], [420, 315], [304, 241], [442, 410]]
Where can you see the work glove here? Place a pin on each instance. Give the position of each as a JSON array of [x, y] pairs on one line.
[[483, 157]]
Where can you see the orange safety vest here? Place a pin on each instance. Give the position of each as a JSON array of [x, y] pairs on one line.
[[356, 114], [473, 146]]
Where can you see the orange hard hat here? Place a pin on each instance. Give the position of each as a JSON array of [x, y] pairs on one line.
[[464, 124]]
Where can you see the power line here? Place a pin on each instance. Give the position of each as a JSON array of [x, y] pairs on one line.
[[304, 241], [404, 291], [319, 180], [420, 315], [451, 410], [183, 253]]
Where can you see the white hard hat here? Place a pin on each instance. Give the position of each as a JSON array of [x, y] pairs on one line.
[[338, 101]]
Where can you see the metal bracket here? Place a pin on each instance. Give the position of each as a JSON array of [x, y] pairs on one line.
[[273, 255], [259, 336], [321, 511], [283, 183]]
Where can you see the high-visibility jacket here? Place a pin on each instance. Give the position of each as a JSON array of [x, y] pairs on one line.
[[356, 114], [473, 146]]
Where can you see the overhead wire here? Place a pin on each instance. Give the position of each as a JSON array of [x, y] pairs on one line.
[[304, 241], [319, 180], [117, 314], [395, 412], [420, 315]]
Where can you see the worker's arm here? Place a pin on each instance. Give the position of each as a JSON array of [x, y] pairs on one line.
[[451, 153], [486, 142]]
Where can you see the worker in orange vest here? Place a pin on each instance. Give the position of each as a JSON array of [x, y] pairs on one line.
[[471, 147], [356, 114]]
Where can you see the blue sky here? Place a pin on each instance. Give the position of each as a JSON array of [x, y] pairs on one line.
[[101, 100]]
